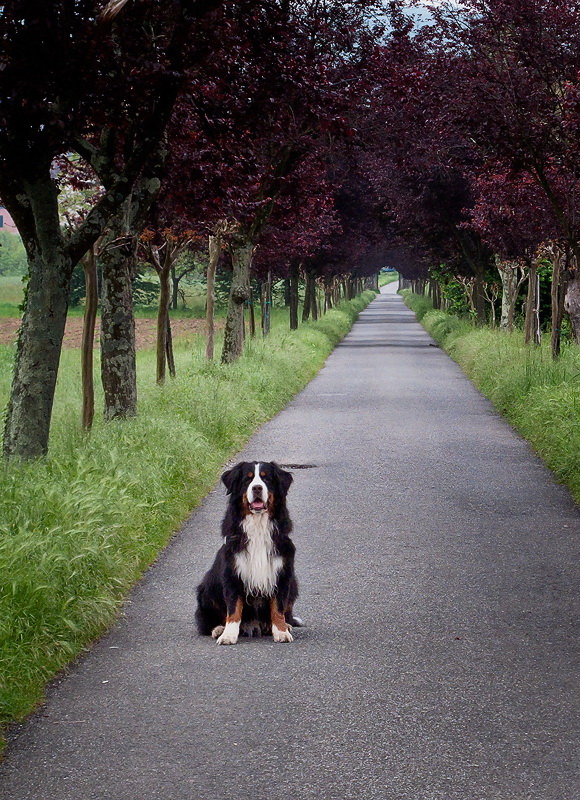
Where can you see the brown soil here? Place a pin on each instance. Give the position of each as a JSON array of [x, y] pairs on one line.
[[145, 331]]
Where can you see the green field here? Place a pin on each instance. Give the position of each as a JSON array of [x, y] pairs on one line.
[[11, 295]]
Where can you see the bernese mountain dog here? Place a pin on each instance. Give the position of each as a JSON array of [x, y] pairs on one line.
[[251, 587]]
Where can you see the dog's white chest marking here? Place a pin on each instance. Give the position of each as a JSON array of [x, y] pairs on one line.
[[257, 565]]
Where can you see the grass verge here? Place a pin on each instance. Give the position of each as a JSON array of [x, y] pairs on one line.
[[78, 528], [539, 396]]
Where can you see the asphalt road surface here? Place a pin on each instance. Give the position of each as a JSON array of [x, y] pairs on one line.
[[438, 564]]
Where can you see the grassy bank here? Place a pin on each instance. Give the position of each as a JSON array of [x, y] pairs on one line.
[[78, 528], [539, 396]]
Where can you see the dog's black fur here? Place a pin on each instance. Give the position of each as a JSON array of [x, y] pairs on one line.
[[225, 588]]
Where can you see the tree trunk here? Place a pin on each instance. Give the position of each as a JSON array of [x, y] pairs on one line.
[[41, 332], [307, 297], [327, 294], [241, 253], [175, 288], [251, 307], [87, 347], [267, 305], [118, 363], [286, 292], [119, 267], [479, 299], [557, 297], [163, 314], [215, 247], [572, 301], [169, 349], [294, 275], [509, 283], [532, 322], [313, 299]]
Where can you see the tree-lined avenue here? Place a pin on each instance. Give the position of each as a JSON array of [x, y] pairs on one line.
[[438, 565]]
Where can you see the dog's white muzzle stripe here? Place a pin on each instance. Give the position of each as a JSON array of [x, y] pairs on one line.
[[257, 495]]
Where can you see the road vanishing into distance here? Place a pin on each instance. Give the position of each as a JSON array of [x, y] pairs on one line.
[[439, 572]]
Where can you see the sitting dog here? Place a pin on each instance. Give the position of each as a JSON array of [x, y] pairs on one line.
[[251, 587]]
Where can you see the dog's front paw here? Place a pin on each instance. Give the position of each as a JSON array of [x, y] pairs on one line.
[[281, 636], [230, 634]]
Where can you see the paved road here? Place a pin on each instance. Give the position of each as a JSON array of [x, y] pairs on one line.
[[439, 573]]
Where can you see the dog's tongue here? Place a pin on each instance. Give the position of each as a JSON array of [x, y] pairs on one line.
[[258, 505]]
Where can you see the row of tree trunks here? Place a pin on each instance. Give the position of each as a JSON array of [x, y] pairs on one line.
[[435, 294]]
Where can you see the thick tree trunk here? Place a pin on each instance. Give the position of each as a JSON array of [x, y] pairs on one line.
[[510, 285], [572, 302], [119, 267], [215, 248], [241, 253], [118, 363], [88, 342], [40, 340], [294, 275]]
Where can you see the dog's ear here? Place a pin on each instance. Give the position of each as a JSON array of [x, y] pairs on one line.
[[285, 478], [231, 477]]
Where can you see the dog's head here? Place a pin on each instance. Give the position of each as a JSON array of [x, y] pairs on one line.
[[257, 485]]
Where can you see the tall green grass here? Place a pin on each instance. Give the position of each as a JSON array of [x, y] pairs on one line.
[[78, 528], [539, 396]]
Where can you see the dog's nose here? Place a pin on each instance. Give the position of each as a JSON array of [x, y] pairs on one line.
[[257, 490]]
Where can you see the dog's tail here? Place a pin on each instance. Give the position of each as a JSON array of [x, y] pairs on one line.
[[295, 621]]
